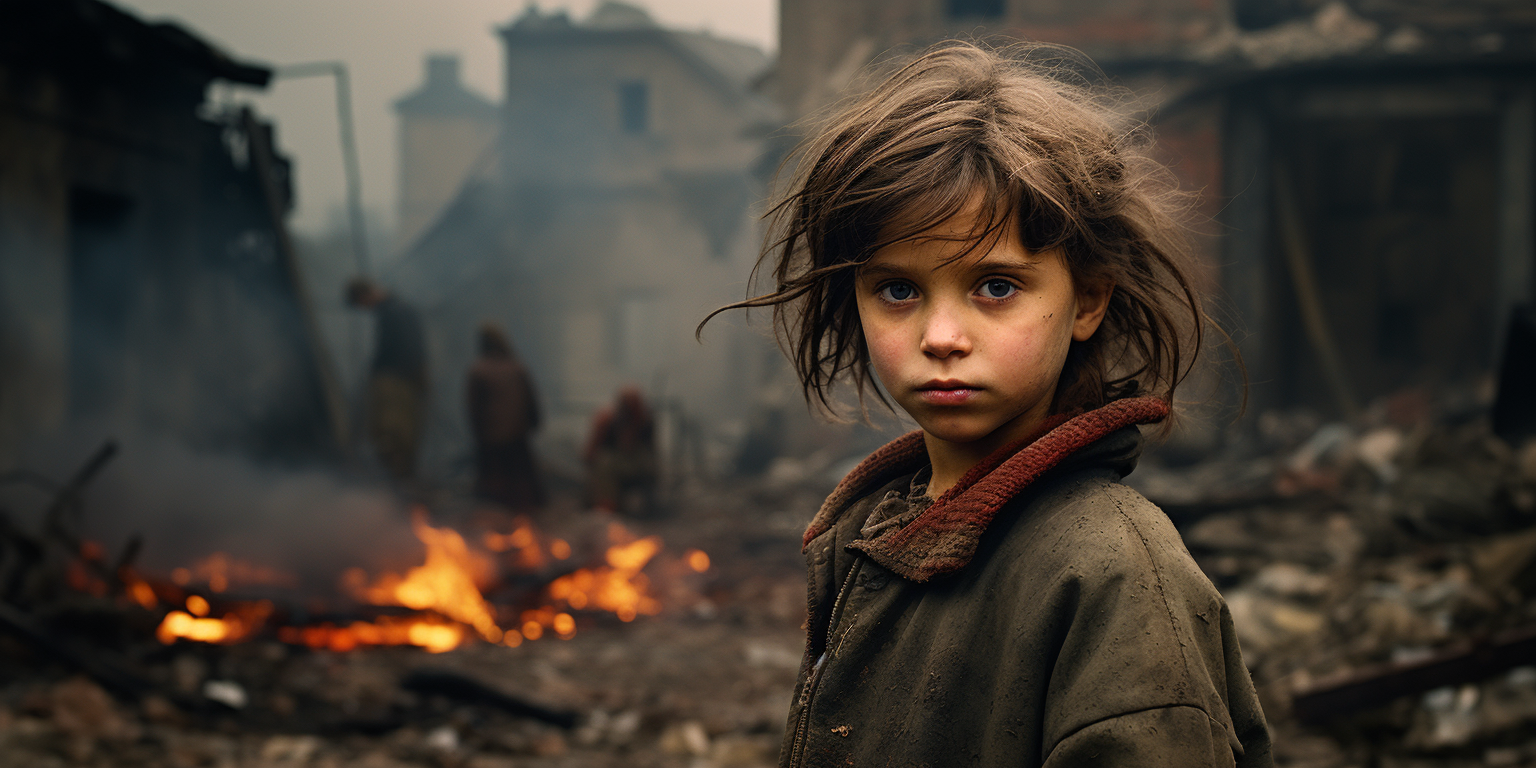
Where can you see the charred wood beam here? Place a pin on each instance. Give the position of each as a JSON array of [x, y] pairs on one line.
[[68, 497], [1514, 411], [264, 162], [1462, 663], [21, 552], [452, 685]]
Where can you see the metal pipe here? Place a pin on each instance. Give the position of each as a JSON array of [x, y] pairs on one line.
[[338, 70]]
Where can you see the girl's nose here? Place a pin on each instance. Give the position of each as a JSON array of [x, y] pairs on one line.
[[944, 335]]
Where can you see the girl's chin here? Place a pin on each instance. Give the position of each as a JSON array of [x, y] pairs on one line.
[[974, 434], [959, 434]]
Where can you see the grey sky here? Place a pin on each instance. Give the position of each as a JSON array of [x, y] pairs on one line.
[[383, 43]]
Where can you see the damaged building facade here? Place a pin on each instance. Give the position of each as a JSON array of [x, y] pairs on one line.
[[615, 209], [146, 280], [1367, 165], [444, 129]]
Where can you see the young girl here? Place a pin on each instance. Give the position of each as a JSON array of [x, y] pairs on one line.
[[985, 239]]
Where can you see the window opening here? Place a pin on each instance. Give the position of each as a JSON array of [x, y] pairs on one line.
[[634, 107]]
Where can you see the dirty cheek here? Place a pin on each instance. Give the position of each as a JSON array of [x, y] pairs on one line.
[[1036, 354], [885, 352], [884, 348]]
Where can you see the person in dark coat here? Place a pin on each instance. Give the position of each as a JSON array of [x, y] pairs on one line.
[[397, 380], [503, 415], [621, 454]]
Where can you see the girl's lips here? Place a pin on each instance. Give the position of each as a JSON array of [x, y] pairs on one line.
[[946, 393]]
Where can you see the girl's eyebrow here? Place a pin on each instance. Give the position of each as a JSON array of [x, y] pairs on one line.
[[881, 270], [988, 265]]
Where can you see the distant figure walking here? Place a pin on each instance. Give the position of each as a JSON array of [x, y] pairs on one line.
[[503, 415], [621, 454], [397, 381]]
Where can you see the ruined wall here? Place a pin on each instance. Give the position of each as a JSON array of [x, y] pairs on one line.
[[664, 208], [823, 45], [140, 282], [33, 272], [564, 105], [1363, 102], [618, 210]]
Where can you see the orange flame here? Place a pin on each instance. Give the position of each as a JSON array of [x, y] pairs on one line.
[[445, 583], [219, 571], [195, 623], [143, 594], [522, 539], [619, 587], [433, 634]]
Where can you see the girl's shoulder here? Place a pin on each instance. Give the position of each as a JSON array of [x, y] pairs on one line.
[[1098, 530]]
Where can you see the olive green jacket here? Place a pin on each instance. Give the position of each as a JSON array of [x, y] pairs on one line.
[[1038, 614]]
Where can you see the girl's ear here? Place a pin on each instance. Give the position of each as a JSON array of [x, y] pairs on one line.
[[1092, 303]]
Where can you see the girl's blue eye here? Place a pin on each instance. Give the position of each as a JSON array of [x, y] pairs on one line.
[[897, 292], [998, 288]]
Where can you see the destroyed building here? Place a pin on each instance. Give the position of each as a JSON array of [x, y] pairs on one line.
[[614, 210], [146, 280], [444, 129], [1368, 164]]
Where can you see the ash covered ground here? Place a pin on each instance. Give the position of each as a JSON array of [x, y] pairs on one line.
[[1350, 555]]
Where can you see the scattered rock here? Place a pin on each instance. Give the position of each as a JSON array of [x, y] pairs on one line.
[[685, 738]]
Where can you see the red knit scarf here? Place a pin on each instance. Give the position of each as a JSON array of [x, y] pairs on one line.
[[944, 537]]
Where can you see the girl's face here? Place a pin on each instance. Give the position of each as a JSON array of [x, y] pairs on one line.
[[972, 348]]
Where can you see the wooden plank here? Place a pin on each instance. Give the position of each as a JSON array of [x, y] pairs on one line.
[[1466, 662], [262, 160]]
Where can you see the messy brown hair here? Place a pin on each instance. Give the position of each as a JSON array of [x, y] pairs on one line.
[[1024, 128]]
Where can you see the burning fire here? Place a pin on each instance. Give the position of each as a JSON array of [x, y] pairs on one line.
[[219, 570], [445, 589], [447, 582], [435, 635], [195, 624], [620, 587]]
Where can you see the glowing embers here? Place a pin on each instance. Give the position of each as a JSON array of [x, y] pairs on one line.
[[619, 587], [237, 621], [433, 633], [219, 572], [524, 542]]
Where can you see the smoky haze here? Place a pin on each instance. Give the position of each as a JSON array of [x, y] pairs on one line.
[[186, 504], [597, 238], [383, 43]]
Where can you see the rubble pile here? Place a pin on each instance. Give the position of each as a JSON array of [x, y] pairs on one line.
[[703, 683], [1382, 579], [1381, 576]]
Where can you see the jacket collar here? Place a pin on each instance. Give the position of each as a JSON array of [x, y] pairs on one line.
[[944, 537]]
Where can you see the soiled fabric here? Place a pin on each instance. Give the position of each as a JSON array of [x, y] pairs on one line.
[[396, 418], [503, 414], [397, 387], [400, 345], [1039, 613]]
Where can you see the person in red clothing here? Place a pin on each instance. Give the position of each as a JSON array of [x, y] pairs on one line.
[[621, 455], [503, 415]]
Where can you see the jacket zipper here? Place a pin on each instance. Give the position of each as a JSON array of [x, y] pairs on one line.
[[796, 754]]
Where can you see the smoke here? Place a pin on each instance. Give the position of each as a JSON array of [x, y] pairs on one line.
[[186, 505]]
